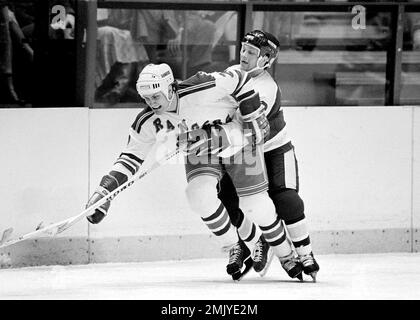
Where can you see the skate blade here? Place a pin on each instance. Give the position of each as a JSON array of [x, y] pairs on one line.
[[313, 275], [237, 276], [270, 257], [300, 277]]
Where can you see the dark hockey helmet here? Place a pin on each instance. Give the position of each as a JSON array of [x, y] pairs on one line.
[[265, 42]]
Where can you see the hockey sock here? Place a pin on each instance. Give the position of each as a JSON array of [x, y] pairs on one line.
[[248, 232], [220, 225], [275, 235], [298, 232]]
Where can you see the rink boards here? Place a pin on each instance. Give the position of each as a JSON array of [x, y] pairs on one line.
[[359, 175]]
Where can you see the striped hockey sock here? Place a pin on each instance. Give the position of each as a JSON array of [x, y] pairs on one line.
[[298, 232], [219, 224], [275, 235]]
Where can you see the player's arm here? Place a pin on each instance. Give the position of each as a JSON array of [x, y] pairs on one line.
[[251, 108], [254, 118], [226, 139], [216, 86], [140, 142], [213, 86], [222, 140]]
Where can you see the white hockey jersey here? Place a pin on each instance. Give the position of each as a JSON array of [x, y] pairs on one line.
[[203, 97], [270, 96]]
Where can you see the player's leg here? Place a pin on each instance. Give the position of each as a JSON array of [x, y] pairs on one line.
[[240, 255], [291, 206], [251, 243], [261, 251], [260, 209], [247, 231], [227, 194], [250, 179], [203, 177], [282, 170], [202, 197]]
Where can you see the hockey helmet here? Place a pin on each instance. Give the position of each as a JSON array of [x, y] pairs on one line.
[[265, 42], [155, 78]]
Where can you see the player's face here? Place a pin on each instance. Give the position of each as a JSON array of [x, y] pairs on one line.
[[249, 57], [157, 101]]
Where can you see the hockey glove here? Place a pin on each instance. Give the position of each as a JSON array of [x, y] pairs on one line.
[[108, 183], [255, 121], [218, 137], [190, 141], [211, 138]]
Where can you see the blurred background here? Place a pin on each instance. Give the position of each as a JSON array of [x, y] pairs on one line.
[[79, 53]]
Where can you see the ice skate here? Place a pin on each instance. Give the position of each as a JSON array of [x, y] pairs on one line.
[[240, 261], [263, 255], [310, 266], [292, 266]]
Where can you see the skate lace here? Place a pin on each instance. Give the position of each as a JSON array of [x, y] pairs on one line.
[[234, 253], [307, 260], [258, 251]]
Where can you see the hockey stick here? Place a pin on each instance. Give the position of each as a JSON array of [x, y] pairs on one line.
[[63, 225]]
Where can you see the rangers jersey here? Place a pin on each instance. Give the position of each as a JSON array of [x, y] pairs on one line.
[[203, 97]]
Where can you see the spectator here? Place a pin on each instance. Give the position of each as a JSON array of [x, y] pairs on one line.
[[226, 29], [154, 28], [9, 29], [284, 25], [63, 28], [117, 54], [196, 38], [413, 27]]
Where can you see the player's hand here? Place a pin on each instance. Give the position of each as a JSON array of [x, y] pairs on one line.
[[217, 136], [100, 212], [257, 130], [256, 124], [174, 46], [193, 141]]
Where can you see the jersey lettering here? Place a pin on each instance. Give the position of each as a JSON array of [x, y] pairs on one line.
[[158, 124], [169, 125]]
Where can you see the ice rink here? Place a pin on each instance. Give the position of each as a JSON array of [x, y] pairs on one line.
[[343, 276]]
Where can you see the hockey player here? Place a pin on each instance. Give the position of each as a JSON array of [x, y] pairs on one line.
[[204, 105], [258, 52]]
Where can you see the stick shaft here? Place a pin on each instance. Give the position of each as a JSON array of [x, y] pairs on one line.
[[60, 226]]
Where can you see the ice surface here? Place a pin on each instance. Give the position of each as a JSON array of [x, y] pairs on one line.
[[343, 276]]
